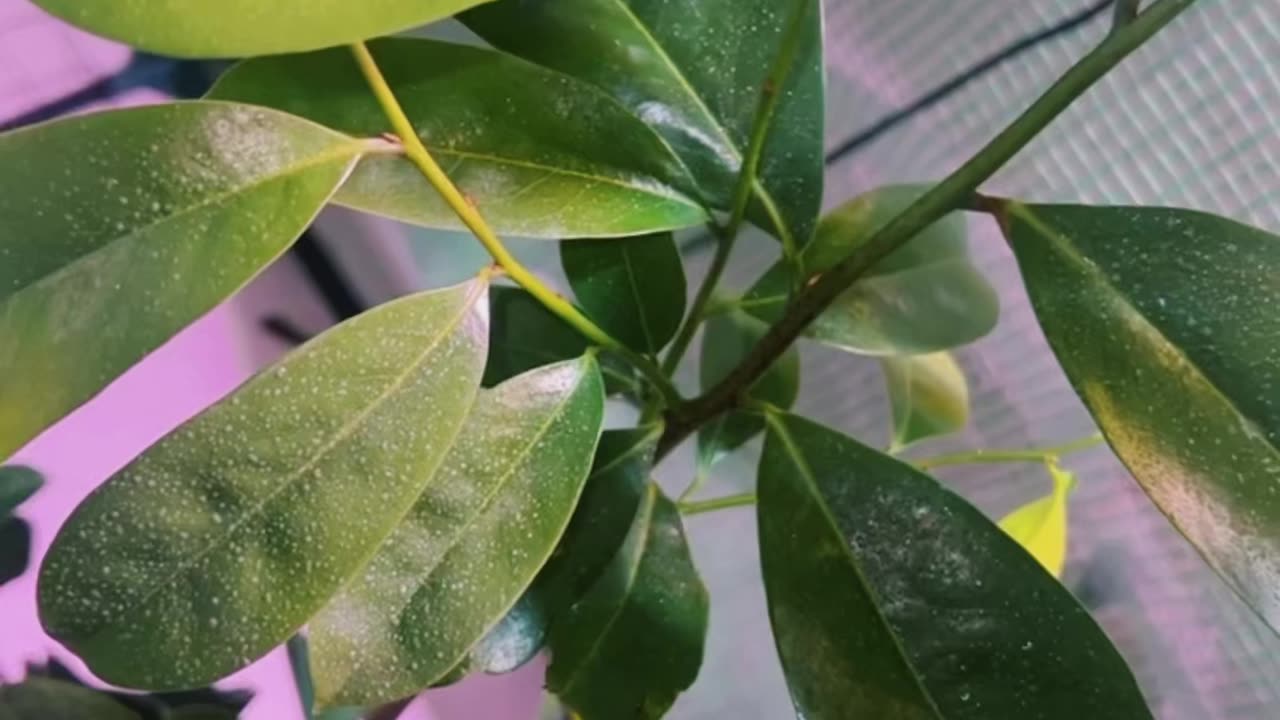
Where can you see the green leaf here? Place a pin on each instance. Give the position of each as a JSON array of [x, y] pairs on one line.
[[727, 338], [17, 484], [617, 484], [1040, 526], [892, 597], [634, 288], [1164, 320], [540, 154], [635, 640], [928, 396], [15, 548], [923, 298], [236, 28], [472, 544], [119, 229], [227, 535], [39, 698], [525, 335], [694, 71]]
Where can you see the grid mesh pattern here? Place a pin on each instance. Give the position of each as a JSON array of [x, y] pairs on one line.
[[1192, 119]]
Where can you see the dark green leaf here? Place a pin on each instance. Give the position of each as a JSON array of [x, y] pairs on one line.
[[928, 396], [1165, 322], [540, 154], [923, 298], [44, 699], [227, 535], [121, 228], [634, 288], [726, 340], [635, 640], [15, 548], [235, 28], [17, 484], [891, 597], [472, 544], [202, 702], [694, 71], [525, 335], [600, 524]]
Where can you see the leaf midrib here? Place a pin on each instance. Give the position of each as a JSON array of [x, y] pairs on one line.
[[1066, 249], [343, 433], [633, 570], [350, 148], [778, 425], [641, 307], [486, 505], [758, 189]]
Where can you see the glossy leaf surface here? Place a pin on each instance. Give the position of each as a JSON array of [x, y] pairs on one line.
[[472, 544], [726, 340], [633, 288], [222, 539], [525, 335], [694, 71], [600, 524], [17, 484], [40, 698], [1165, 322], [1040, 526], [237, 28], [540, 154], [928, 396], [635, 640], [924, 298], [119, 229], [892, 597]]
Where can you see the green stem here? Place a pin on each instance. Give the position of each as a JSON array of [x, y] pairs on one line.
[[727, 236], [944, 197], [982, 457], [418, 154], [705, 506]]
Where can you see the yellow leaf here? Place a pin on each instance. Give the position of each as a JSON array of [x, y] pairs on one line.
[[1041, 526]]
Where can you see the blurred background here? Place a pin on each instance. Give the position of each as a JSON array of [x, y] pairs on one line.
[[1193, 119]]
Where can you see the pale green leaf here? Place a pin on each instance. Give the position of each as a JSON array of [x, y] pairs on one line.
[[928, 396], [119, 229], [472, 544], [239, 28], [231, 532]]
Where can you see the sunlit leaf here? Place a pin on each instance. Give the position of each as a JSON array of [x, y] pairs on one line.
[[121, 228], [923, 298], [540, 154], [1165, 322], [45, 699], [928, 396], [472, 544], [1040, 526], [635, 640], [633, 288], [891, 597], [694, 71], [727, 338], [234, 28], [227, 535]]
